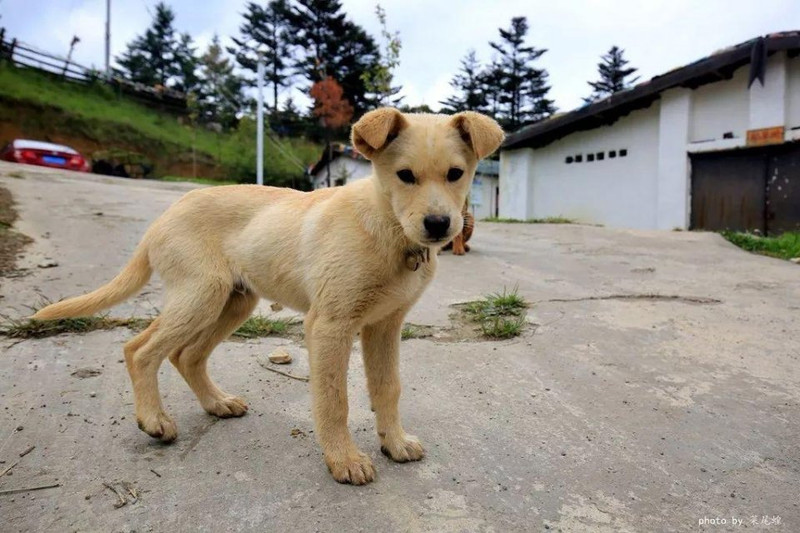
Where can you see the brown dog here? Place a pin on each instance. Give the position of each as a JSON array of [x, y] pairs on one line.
[[459, 243], [354, 259]]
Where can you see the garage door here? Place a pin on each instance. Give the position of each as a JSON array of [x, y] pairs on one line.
[[783, 192], [747, 190], [729, 191]]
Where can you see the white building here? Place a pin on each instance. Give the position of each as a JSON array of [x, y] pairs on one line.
[[484, 196], [340, 164], [698, 147]]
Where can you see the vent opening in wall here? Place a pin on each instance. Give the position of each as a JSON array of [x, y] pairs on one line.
[[589, 157], [569, 159], [623, 152], [600, 156], [578, 158], [612, 154], [727, 135]]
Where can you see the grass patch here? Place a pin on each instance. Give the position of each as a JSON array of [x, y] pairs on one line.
[[28, 328], [500, 315], [546, 220], [413, 331], [785, 246], [262, 326]]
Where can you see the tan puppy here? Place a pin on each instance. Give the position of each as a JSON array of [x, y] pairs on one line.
[[353, 258]]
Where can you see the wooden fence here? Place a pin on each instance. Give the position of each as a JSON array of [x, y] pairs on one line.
[[25, 56]]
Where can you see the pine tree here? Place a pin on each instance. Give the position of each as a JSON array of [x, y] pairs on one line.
[[378, 80], [470, 94], [523, 87], [150, 58], [288, 121], [613, 75], [186, 65], [332, 46], [266, 32], [221, 91], [491, 80]]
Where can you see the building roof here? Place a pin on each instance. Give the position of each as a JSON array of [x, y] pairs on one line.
[[336, 150], [719, 66]]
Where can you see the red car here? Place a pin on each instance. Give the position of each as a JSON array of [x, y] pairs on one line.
[[44, 154]]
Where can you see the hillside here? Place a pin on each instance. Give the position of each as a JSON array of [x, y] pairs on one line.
[[93, 120]]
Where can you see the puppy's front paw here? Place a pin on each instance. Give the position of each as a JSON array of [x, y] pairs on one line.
[[354, 468], [227, 407], [403, 449], [159, 426]]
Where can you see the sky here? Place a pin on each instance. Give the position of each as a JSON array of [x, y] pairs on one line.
[[656, 35]]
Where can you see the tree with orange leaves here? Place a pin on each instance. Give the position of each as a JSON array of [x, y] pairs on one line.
[[333, 110]]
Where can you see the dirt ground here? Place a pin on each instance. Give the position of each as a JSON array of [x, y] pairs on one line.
[[11, 242], [656, 387]]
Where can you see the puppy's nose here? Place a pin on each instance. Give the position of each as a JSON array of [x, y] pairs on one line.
[[437, 225]]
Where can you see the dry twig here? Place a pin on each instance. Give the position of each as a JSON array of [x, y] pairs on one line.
[[7, 470], [26, 452], [41, 487], [122, 500], [288, 375]]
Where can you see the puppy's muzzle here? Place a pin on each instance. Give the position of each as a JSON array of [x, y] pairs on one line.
[[437, 226]]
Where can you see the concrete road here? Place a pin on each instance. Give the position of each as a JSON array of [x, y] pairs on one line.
[[656, 389]]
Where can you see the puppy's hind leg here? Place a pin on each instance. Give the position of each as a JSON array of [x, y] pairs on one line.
[[191, 361], [189, 310]]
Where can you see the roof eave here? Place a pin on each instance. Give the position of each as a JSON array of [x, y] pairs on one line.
[[607, 111]]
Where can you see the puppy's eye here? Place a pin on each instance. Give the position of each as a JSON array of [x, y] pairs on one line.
[[454, 174], [406, 176]]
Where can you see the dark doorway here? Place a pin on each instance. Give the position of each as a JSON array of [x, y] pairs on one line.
[[783, 191], [747, 190]]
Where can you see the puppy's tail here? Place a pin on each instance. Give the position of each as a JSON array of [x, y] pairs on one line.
[[127, 283]]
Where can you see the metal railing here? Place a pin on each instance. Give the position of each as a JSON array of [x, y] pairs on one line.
[[24, 55]]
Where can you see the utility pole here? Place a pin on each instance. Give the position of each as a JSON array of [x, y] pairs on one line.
[[260, 123], [108, 38]]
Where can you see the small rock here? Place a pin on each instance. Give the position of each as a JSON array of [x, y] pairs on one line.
[[280, 357], [98, 214], [48, 263], [276, 307], [92, 394], [795, 260], [20, 428]]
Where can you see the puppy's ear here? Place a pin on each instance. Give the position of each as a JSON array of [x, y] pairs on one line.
[[376, 129], [481, 133]]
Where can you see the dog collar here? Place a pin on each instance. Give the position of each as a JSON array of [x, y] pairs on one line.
[[414, 258]]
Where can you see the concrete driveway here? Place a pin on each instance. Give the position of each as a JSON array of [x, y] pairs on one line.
[[656, 389]]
